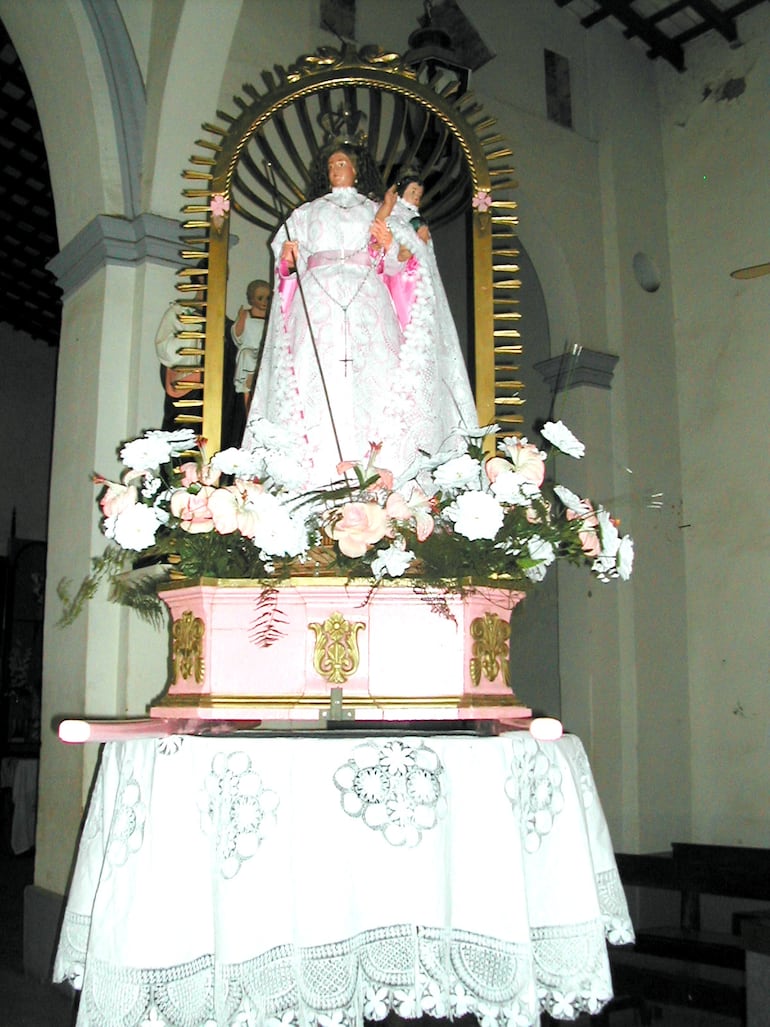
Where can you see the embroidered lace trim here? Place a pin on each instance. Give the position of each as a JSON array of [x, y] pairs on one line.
[[409, 970]]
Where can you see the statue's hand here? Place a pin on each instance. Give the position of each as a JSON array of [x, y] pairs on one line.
[[388, 203], [289, 252], [381, 234], [423, 232]]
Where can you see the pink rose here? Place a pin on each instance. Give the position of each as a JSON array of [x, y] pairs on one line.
[[192, 509], [589, 536], [361, 525], [117, 498]]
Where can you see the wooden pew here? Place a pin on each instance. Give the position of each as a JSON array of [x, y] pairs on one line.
[[681, 964]]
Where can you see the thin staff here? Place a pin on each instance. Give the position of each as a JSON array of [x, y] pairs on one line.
[[285, 219]]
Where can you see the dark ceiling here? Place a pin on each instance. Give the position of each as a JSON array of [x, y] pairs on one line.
[[30, 300], [665, 27]]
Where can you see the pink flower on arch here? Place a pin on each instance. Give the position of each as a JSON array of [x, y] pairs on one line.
[[220, 205], [482, 201], [360, 526]]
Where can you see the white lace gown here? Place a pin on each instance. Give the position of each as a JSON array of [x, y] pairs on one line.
[[431, 350], [357, 340]]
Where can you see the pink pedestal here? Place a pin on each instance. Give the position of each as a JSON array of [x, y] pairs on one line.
[[283, 651]]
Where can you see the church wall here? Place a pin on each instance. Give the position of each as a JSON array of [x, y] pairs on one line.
[[717, 148], [644, 457]]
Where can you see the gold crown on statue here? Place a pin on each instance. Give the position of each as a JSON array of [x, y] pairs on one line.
[[342, 126]]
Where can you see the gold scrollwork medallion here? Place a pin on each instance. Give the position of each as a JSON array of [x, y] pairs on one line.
[[187, 646], [490, 635], [336, 655]]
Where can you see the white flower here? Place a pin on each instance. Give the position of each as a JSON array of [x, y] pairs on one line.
[[392, 561], [163, 515], [276, 531], [608, 533], [150, 486], [625, 557], [135, 527], [146, 453], [544, 553], [536, 573], [560, 436], [265, 434], [239, 462], [511, 488], [178, 441], [571, 501], [462, 470], [541, 550], [604, 567], [476, 515], [285, 469]]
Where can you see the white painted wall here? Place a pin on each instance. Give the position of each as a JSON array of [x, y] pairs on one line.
[[717, 152]]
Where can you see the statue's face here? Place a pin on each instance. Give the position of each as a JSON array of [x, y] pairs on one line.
[[260, 300], [413, 193], [341, 170]]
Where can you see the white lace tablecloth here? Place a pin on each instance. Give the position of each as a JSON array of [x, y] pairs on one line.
[[235, 880]]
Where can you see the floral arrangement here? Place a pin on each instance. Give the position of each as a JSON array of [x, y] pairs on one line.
[[461, 515]]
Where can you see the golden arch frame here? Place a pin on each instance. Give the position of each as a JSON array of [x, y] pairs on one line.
[[494, 318]]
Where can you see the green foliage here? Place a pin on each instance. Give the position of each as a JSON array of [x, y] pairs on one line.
[[107, 566]]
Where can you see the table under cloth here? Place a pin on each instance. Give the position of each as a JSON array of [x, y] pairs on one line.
[[328, 878]]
